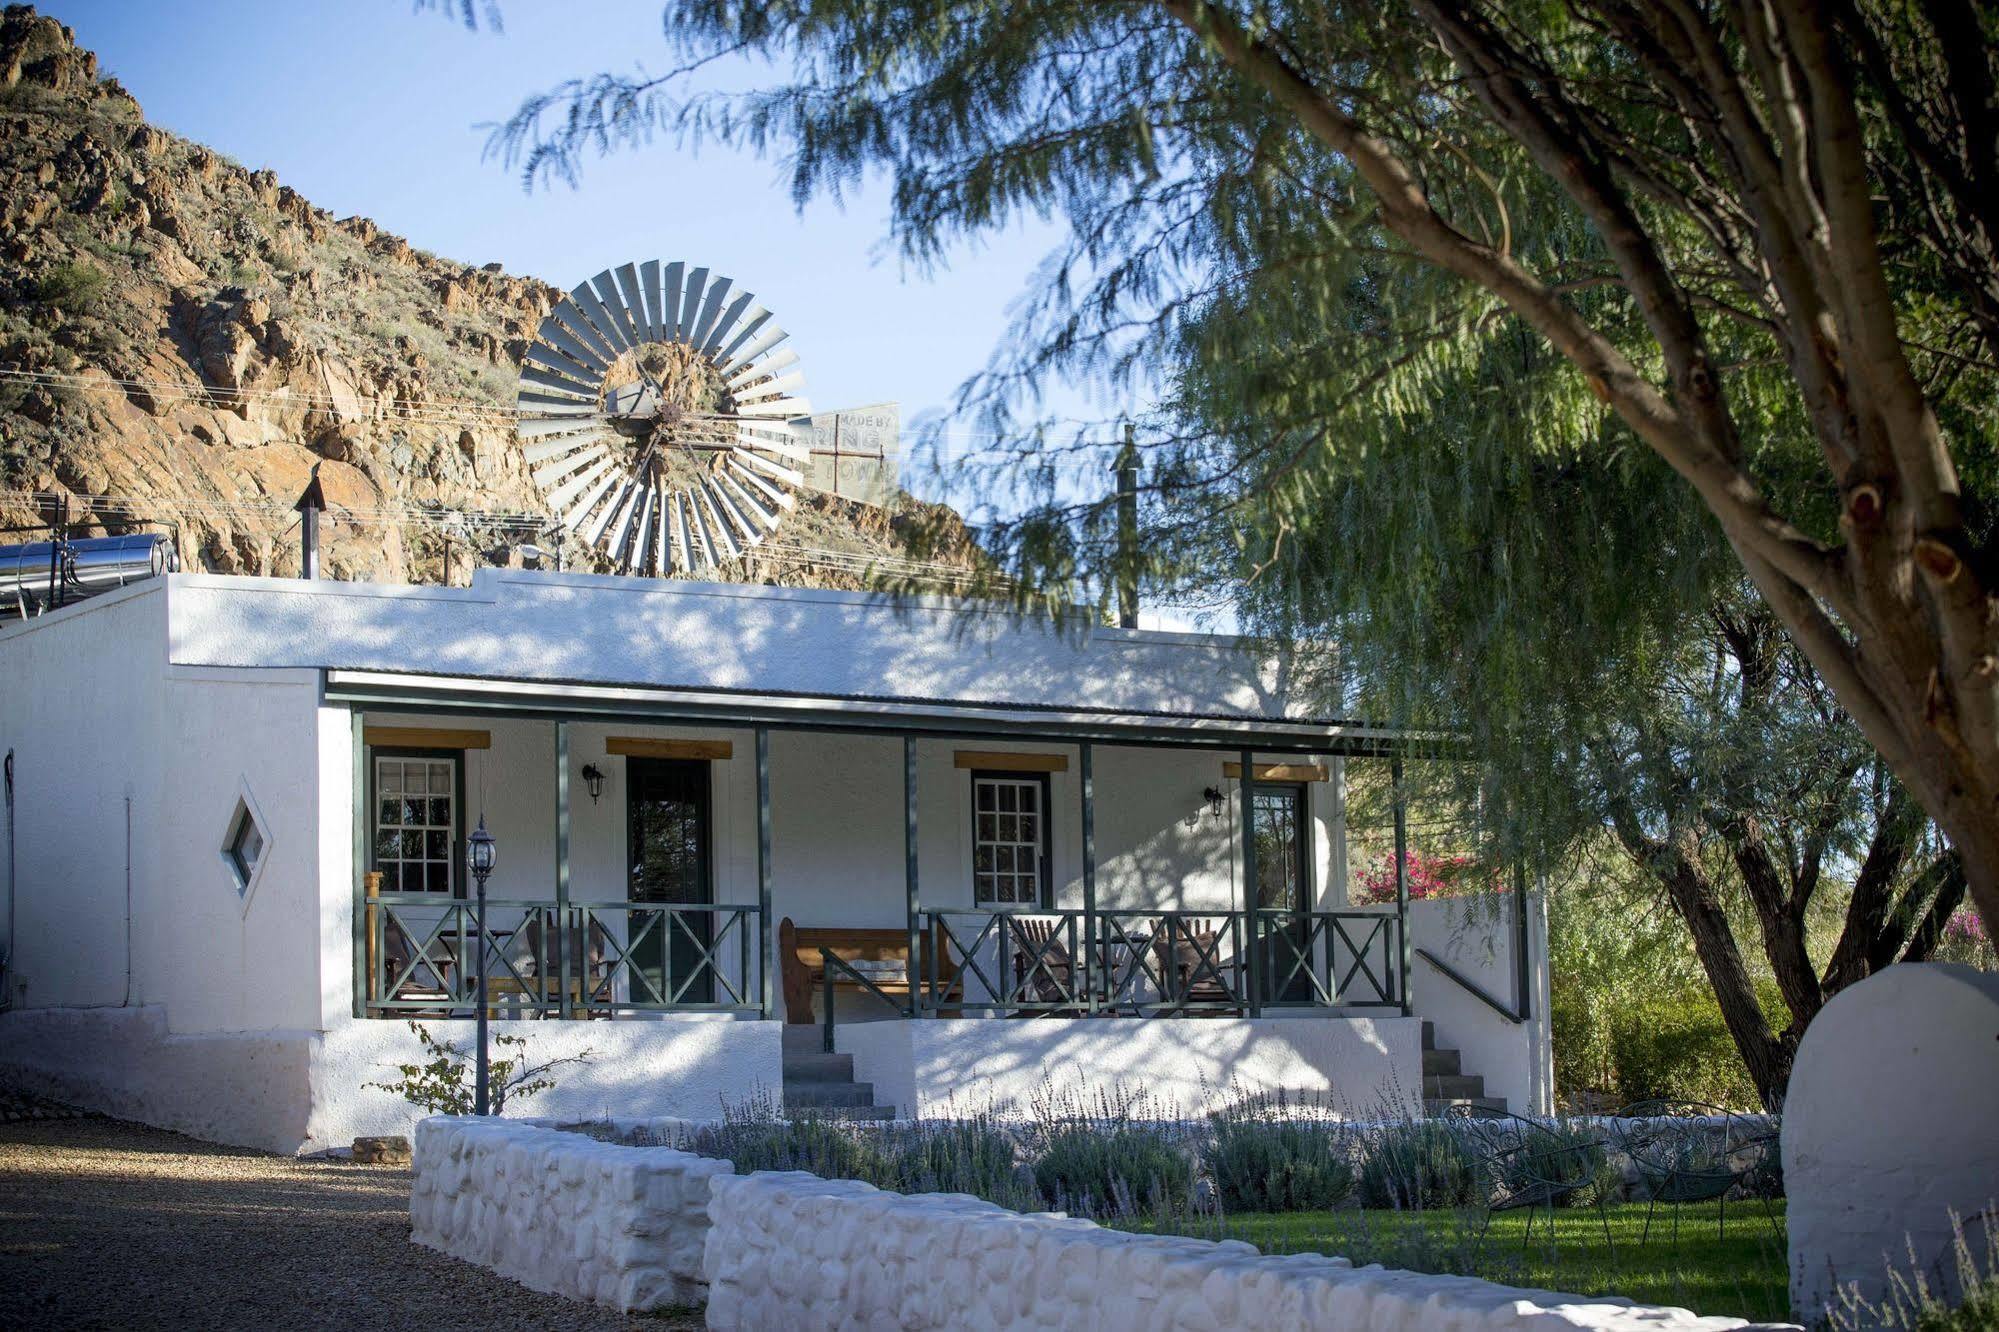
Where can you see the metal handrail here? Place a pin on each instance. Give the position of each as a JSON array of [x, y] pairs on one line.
[[828, 962], [1478, 992]]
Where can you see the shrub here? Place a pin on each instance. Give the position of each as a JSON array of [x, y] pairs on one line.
[[1100, 1169], [1676, 1047], [1418, 1165], [1278, 1166], [446, 1082], [1557, 1152], [73, 288], [972, 1156]]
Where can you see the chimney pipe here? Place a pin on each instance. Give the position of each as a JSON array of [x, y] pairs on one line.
[[310, 505], [1127, 532]]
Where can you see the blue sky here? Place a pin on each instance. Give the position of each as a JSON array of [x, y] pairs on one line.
[[366, 107]]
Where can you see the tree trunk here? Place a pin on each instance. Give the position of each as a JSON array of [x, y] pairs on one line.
[[1676, 866]]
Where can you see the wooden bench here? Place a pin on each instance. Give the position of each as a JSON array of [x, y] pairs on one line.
[[804, 970]]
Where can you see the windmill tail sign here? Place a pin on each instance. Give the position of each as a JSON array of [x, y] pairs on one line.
[[856, 453]]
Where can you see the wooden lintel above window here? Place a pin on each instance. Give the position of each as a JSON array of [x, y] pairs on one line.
[[1280, 772], [646, 746], [425, 737], [993, 760]]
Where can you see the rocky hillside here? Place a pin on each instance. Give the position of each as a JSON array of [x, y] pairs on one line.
[[182, 339]]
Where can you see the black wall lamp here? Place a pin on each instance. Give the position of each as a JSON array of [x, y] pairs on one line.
[[593, 777], [1217, 800]]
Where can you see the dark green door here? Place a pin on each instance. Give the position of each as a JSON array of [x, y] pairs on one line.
[[670, 859], [1283, 883]]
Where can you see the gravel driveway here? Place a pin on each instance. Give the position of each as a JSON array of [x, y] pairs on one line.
[[112, 1225]]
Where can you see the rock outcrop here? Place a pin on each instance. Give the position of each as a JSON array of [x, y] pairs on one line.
[[182, 339]]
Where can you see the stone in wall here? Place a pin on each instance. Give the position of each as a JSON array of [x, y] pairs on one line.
[[564, 1213]]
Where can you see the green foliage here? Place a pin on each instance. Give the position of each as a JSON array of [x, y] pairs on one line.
[[1960, 1296], [1261, 1165], [1559, 1153], [1673, 1046], [74, 288], [445, 1083], [1113, 1170], [1419, 1165]]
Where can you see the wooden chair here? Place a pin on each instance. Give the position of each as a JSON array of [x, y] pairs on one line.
[[1188, 949], [1044, 971], [588, 973], [428, 980]]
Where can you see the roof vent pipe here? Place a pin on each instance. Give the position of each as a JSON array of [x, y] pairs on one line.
[[310, 505], [1127, 532]]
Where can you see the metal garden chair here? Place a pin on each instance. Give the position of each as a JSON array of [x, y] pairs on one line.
[[1688, 1152], [1529, 1166]]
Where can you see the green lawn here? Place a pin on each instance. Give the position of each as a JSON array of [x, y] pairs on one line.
[[1742, 1275]]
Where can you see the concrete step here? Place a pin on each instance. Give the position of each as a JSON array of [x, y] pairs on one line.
[[1454, 1086], [1439, 1063], [863, 1114], [803, 1038], [813, 1095], [818, 1067], [1437, 1107]]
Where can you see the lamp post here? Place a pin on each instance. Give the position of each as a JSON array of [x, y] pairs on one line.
[[481, 853]]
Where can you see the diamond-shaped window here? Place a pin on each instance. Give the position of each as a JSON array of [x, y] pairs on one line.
[[245, 844]]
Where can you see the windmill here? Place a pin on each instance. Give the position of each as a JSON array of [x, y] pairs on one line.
[[663, 419]]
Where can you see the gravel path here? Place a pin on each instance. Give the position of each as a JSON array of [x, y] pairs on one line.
[[112, 1225]]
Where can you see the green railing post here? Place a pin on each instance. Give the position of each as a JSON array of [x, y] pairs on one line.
[[363, 983], [1091, 944], [909, 870], [564, 926], [766, 998], [826, 989], [1401, 879], [1252, 970]]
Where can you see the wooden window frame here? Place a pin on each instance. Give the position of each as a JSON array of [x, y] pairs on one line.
[[456, 860], [1045, 889]]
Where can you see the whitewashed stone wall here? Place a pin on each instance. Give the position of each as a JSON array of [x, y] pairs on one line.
[[1889, 1130], [795, 1251], [562, 1212]]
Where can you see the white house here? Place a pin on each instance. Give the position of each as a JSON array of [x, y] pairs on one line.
[[237, 813]]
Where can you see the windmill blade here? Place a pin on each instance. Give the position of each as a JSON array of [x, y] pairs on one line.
[[536, 427], [649, 294], [576, 514], [555, 445], [622, 534], [784, 408], [549, 473], [575, 317], [771, 388], [740, 464], [691, 293], [773, 437], [613, 301], [566, 494], [600, 319], [739, 524], [748, 323], [633, 293], [725, 326], [673, 278], [640, 553], [703, 546], [557, 333], [757, 346], [563, 390], [621, 497], [683, 551], [746, 503], [760, 370], [547, 406], [718, 527], [551, 361], [708, 324]]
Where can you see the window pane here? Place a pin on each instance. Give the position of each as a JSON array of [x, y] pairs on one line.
[[1007, 797], [986, 828], [412, 844], [388, 845], [389, 776], [1004, 859], [436, 845], [985, 793], [1027, 833], [438, 814], [1009, 828], [1030, 797], [982, 860], [437, 878]]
